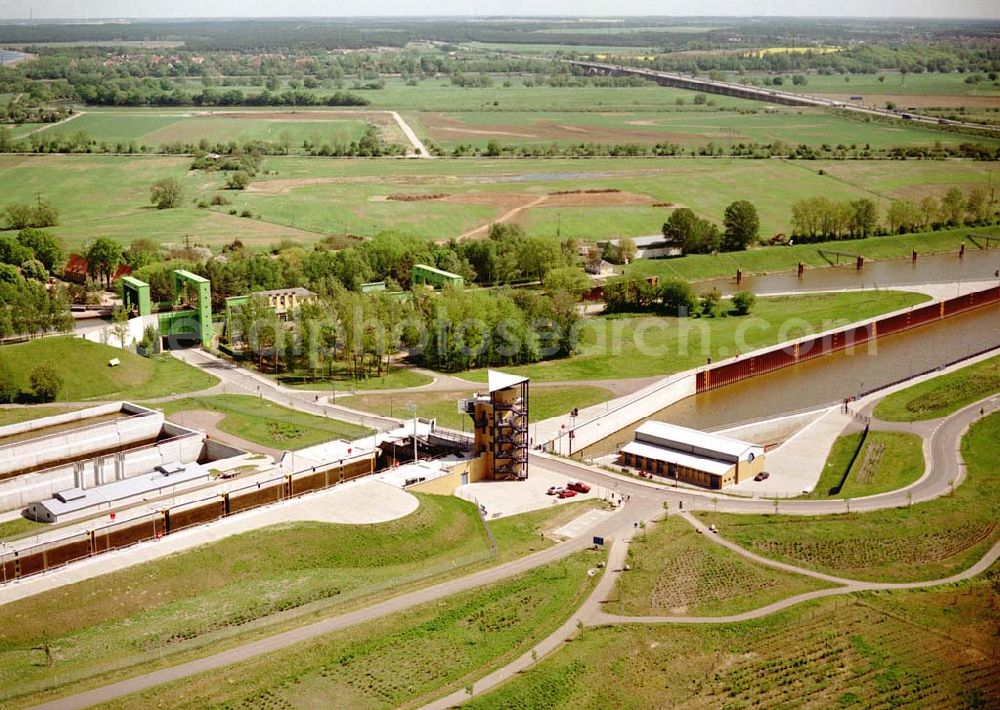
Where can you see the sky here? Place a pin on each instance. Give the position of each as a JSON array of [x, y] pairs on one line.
[[21, 9]]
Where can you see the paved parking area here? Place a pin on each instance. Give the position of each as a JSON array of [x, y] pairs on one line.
[[502, 498]]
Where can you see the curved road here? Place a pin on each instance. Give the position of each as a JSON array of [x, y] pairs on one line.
[[645, 501]]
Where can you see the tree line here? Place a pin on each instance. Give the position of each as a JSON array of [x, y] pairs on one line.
[[817, 219]]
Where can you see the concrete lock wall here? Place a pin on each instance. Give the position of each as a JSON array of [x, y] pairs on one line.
[[136, 328], [18, 493], [59, 419], [851, 336], [106, 436], [644, 404]]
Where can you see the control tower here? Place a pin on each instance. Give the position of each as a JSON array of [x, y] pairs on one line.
[[500, 421]]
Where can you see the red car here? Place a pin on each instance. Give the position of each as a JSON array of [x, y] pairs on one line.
[[578, 486], [566, 493]]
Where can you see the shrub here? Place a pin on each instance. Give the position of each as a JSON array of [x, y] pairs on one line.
[[743, 302], [220, 200], [45, 382], [238, 180]]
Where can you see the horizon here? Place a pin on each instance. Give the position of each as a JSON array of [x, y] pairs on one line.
[[41, 11]]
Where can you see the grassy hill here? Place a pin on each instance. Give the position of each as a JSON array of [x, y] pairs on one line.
[[86, 374]]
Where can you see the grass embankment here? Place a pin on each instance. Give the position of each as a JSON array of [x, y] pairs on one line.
[[923, 648], [19, 527], [86, 374], [545, 402], [675, 571], [640, 346], [888, 460], [940, 396], [266, 423], [395, 378], [188, 604], [929, 540], [402, 660], [765, 260]]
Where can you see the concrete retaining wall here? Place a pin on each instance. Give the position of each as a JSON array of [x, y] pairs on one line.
[[789, 354], [33, 453], [65, 418], [642, 404], [16, 494]]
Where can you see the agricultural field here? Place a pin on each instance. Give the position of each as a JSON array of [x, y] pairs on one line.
[[441, 405], [156, 128], [697, 128], [942, 395], [169, 610], [135, 378], [303, 199], [922, 648], [927, 541], [263, 422], [622, 347], [887, 461], [909, 90], [401, 660], [674, 571]]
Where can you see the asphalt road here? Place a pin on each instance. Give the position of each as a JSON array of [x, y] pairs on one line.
[[643, 502]]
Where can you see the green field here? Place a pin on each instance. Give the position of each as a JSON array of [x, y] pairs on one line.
[[940, 396], [396, 378], [545, 402], [156, 128], [927, 541], [302, 199], [622, 347], [401, 660], [267, 423], [674, 571], [86, 374], [183, 605], [896, 459], [895, 84], [684, 126], [922, 648]]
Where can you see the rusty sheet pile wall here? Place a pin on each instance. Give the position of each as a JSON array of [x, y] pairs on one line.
[[39, 558], [851, 337]]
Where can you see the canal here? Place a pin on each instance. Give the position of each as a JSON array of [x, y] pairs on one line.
[[976, 265], [830, 378]]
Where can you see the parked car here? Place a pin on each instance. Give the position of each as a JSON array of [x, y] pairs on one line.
[[554, 491], [762, 476], [578, 486], [566, 493]]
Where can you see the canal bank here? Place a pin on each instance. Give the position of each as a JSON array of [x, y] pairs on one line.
[[834, 373]]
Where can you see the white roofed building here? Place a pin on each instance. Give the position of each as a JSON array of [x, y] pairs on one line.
[[693, 456]]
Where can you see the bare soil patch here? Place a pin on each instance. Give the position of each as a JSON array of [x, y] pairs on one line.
[[415, 198], [447, 127], [295, 115]]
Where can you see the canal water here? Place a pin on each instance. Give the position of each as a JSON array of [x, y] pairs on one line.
[[829, 379], [976, 265]]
